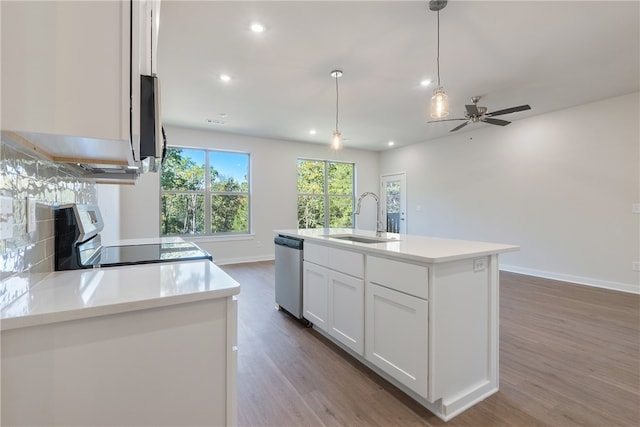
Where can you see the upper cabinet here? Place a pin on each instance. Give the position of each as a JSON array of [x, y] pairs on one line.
[[71, 70]]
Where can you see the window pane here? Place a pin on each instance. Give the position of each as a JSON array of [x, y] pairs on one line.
[[340, 177], [182, 214], [340, 211], [229, 214], [393, 197], [183, 169], [310, 211], [229, 171], [310, 177]]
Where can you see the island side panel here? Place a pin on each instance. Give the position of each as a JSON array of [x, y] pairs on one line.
[[161, 366], [463, 346], [232, 361]]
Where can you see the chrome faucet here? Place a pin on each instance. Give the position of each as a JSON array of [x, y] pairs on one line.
[[358, 206]]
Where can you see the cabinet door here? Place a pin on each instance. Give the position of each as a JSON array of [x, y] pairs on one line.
[[396, 336], [65, 68], [346, 310], [315, 287]]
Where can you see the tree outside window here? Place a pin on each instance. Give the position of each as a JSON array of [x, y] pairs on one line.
[[204, 192], [325, 194]]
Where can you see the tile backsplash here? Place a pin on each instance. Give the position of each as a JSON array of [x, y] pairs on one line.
[[27, 255]]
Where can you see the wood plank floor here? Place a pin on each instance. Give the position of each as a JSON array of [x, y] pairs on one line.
[[569, 356]]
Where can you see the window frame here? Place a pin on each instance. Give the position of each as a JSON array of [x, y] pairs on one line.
[[325, 194], [209, 193]]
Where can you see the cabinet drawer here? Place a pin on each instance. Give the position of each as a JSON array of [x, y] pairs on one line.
[[316, 254], [347, 262], [411, 279]]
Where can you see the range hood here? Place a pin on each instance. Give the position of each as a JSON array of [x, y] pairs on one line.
[[103, 160], [108, 160]]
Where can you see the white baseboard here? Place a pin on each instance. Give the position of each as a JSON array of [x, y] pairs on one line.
[[616, 286], [242, 260]]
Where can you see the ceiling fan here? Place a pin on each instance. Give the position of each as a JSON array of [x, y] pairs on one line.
[[476, 113]]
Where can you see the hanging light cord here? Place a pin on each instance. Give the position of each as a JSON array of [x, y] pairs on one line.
[[438, 54], [336, 102]]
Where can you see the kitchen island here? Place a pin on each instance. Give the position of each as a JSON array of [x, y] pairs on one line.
[[152, 344], [422, 312]]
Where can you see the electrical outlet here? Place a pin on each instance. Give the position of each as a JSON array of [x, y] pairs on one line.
[[479, 264], [635, 208], [635, 266]]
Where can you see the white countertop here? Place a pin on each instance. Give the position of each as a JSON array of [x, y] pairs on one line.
[[78, 294], [406, 246]]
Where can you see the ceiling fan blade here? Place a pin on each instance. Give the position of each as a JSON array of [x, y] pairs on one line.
[[459, 127], [444, 120], [472, 109], [495, 121], [509, 110]]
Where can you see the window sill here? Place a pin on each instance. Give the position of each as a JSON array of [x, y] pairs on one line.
[[222, 238]]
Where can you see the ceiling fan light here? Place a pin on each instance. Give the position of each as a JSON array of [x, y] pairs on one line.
[[439, 103], [336, 141]]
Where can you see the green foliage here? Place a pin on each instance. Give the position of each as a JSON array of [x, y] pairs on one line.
[[310, 211], [181, 172], [183, 196], [222, 221], [340, 178], [182, 214], [340, 211], [310, 177], [313, 198]]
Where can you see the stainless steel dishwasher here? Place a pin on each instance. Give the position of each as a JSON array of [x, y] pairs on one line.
[[289, 274]]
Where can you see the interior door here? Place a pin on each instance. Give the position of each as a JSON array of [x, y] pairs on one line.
[[393, 190]]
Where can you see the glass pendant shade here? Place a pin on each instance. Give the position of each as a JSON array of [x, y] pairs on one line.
[[336, 141], [439, 104]]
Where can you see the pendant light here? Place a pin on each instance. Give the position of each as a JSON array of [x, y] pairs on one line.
[[336, 139], [439, 100]]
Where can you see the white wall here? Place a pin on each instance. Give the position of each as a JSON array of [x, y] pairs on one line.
[[560, 185], [109, 204], [273, 190]]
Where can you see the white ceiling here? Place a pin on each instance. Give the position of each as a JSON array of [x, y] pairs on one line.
[[550, 55]]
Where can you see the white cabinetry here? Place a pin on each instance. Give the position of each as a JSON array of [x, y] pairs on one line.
[[172, 365], [315, 294], [346, 310], [431, 310], [72, 69], [397, 321], [396, 326], [333, 293]]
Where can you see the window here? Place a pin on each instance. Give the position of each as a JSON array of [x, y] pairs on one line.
[[204, 192], [325, 194]]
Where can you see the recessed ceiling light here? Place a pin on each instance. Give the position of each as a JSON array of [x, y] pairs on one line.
[[312, 132], [225, 77], [391, 143], [257, 27], [223, 114], [425, 82]]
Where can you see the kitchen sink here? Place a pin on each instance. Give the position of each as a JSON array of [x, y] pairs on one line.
[[362, 239]]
